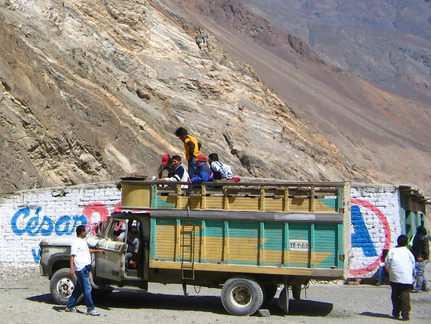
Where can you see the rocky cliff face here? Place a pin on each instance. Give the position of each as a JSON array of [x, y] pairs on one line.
[[93, 91], [388, 43], [375, 130]]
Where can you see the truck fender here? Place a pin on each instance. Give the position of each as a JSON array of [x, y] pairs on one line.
[[283, 299]]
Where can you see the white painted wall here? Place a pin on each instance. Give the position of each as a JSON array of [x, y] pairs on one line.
[[29, 216]]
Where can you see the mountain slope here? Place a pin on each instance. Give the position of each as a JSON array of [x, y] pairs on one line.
[[388, 43], [373, 129], [94, 91]]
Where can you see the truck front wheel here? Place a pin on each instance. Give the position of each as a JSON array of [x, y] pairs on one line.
[[241, 296], [62, 286]]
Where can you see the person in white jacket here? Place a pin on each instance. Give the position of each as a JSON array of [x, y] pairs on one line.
[[181, 174], [400, 263]]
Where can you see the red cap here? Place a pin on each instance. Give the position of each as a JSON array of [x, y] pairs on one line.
[[166, 159], [201, 157]]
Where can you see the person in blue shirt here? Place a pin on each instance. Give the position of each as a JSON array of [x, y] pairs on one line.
[[203, 171]]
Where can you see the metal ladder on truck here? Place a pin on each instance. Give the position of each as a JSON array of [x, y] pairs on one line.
[[188, 251]]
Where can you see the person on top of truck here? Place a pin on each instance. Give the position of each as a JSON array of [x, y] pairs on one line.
[[181, 174], [203, 171], [166, 165], [191, 147], [220, 170]]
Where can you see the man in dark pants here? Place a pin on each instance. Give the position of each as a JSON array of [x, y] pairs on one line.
[[80, 264], [192, 149], [400, 263]]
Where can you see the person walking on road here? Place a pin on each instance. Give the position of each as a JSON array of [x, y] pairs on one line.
[[80, 264], [400, 263]]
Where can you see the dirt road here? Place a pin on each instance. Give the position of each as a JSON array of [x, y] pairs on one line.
[[25, 298]]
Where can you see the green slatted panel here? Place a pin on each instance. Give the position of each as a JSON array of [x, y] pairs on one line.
[[273, 243], [326, 240], [243, 242], [214, 241], [298, 232]]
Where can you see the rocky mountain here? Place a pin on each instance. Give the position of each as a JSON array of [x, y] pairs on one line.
[[380, 131], [387, 43], [92, 91]]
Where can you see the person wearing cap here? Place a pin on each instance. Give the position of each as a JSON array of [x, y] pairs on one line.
[[191, 147], [166, 165], [203, 170]]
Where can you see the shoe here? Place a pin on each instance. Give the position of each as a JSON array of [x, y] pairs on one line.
[[415, 291], [71, 309], [406, 317], [426, 290], [378, 283], [93, 313], [396, 314]]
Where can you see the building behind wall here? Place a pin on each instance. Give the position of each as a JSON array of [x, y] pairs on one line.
[[412, 210]]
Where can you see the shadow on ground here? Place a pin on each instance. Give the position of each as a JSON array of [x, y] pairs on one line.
[[211, 304], [379, 315]]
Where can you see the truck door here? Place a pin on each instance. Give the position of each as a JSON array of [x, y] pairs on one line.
[[111, 264]]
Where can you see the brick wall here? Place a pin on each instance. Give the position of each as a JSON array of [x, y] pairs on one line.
[[29, 216], [375, 225]]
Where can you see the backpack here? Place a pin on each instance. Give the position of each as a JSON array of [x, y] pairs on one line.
[[225, 170]]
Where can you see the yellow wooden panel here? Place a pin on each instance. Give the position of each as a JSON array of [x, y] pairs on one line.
[[271, 256], [165, 242], [273, 204], [244, 203], [214, 249]]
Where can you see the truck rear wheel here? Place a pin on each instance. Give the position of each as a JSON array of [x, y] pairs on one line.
[[241, 296], [62, 286]]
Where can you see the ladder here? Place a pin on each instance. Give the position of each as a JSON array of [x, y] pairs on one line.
[[188, 251]]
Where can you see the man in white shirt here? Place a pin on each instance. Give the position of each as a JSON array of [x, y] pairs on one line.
[[80, 264], [400, 263]]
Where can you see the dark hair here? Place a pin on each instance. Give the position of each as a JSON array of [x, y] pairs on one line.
[[181, 131], [134, 230], [421, 230], [80, 229], [213, 156], [402, 240], [176, 157]]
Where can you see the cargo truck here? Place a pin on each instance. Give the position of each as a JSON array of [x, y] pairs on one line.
[[247, 238]]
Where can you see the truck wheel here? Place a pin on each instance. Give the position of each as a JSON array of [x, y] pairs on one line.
[[241, 296], [269, 292], [62, 286]]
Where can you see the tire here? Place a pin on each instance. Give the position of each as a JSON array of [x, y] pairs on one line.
[[269, 292], [62, 286], [241, 296]]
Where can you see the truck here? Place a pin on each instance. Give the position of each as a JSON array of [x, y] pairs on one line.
[[250, 239]]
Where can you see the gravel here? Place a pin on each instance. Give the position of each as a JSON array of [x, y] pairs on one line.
[[25, 298]]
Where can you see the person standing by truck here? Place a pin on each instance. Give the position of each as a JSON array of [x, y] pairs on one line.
[[80, 264], [191, 147], [400, 263]]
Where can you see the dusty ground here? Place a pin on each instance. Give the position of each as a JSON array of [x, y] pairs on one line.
[[25, 298]]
